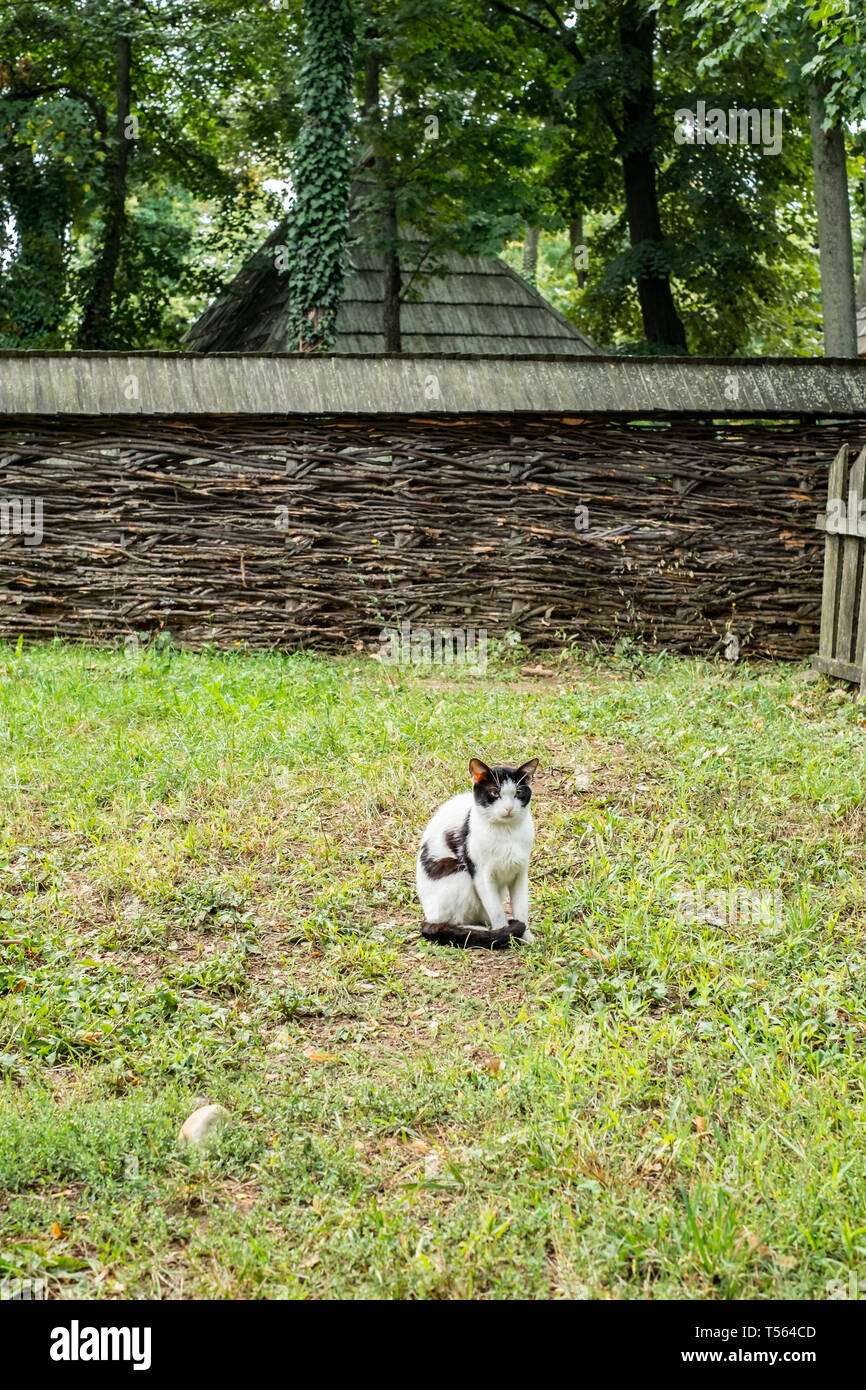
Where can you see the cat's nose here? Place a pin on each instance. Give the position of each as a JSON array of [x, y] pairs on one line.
[[508, 808]]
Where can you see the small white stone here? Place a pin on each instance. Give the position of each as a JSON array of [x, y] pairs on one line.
[[582, 780], [200, 1126]]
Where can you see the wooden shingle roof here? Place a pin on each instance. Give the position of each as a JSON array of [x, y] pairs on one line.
[[478, 305]]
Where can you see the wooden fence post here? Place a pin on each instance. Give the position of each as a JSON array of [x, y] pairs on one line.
[[842, 645]]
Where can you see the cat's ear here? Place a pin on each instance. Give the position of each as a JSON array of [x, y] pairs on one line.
[[478, 769], [526, 770]]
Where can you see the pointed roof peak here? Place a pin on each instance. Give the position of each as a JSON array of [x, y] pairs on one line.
[[467, 304]]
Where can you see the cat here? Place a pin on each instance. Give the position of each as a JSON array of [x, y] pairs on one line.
[[475, 850]]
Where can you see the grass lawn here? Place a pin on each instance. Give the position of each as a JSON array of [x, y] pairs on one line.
[[207, 890]]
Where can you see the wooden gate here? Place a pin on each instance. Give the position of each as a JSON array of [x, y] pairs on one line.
[[843, 605]]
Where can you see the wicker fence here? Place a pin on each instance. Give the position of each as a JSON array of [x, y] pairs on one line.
[[286, 532]]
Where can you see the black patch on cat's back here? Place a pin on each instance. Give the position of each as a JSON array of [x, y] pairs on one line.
[[456, 840]]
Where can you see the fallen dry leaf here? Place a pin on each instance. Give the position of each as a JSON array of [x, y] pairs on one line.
[[536, 671], [593, 1168], [315, 1056], [754, 1244], [56, 1231]]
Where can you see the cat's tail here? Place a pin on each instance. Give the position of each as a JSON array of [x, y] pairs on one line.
[[493, 939]]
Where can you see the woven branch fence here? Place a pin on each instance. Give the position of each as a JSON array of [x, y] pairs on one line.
[[285, 532]]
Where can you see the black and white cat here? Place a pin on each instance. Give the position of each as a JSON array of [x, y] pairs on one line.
[[476, 850]]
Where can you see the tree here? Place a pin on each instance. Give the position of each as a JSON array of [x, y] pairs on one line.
[[320, 174], [95, 330], [823, 42], [830, 165], [617, 69], [638, 141], [109, 241], [838, 89], [444, 161], [388, 223]]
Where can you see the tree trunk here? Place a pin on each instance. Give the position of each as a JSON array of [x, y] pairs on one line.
[[95, 330], [834, 233], [388, 226], [530, 253], [317, 221], [391, 287], [861, 283], [661, 322]]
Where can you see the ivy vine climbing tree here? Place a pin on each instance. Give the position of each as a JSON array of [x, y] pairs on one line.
[[320, 175]]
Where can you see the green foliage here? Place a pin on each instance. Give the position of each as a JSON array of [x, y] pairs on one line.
[[198, 160], [457, 155], [493, 117], [824, 41], [739, 226], [320, 174]]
